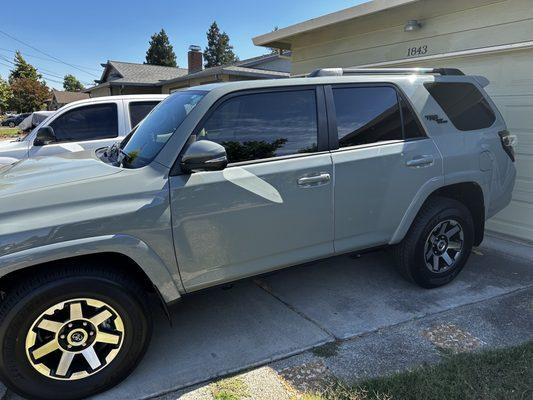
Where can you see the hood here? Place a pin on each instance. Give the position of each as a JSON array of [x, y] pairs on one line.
[[41, 172], [7, 160], [9, 144]]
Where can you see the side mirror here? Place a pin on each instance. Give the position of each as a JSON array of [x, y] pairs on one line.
[[204, 155], [45, 135]]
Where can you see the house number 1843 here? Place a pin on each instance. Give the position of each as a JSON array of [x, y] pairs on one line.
[[417, 51]]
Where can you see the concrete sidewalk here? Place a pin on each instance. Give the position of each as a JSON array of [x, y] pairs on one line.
[[357, 314]]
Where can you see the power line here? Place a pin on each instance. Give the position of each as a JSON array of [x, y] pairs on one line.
[[46, 54], [43, 58], [42, 71]]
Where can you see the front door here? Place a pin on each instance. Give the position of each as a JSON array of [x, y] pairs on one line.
[[382, 161], [272, 206]]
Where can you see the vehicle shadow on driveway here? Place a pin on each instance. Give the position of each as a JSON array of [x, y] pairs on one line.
[[221, 331]]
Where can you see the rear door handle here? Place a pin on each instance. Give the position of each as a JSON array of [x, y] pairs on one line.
[[314, 180], [420, 161]]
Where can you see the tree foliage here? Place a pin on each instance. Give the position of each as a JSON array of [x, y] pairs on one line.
[[160, 51], [23, 69], [218, 50], [5, 95], [252, 150], [28, 95], [72, 84]]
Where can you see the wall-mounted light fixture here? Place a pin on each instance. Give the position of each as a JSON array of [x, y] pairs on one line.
[[412, 25]]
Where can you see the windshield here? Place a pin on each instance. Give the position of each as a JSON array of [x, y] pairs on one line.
[[153, 132]]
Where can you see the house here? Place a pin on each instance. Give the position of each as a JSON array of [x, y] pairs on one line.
[[493, 38], [269, 66], [130, 78], [60, 98]]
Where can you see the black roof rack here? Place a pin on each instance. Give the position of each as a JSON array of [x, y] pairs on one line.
[[384, 71]]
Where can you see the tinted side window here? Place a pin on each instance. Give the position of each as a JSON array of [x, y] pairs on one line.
[[264, 125], [139, 110], [367, 115], [99, 121], [463, 103], [411, 126]]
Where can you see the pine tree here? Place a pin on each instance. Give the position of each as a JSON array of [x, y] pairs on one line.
[[72, 84], [23, 69], [218, 50], [160, 51], [29, 91]]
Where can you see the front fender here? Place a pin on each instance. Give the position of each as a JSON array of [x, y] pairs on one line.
[[136, 249]]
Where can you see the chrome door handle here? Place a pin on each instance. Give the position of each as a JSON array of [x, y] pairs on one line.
[[421, 161], [314, 180]]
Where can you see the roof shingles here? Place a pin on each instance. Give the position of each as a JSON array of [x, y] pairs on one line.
[[68, 97], [146, 73]]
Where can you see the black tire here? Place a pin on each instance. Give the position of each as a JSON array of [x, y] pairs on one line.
[[11, 124], [410, 253], [25, 304]]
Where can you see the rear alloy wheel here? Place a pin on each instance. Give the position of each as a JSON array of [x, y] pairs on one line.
[[70, 334], [11, 124], [443, 246], [438, 244]]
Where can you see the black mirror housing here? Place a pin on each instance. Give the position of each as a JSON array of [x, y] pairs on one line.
[[45, 135], [204, 155]]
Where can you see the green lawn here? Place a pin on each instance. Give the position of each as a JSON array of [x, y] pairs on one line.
[[495, 374], [8, 132]]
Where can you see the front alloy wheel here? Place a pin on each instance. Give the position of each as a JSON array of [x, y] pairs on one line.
[[74, 339], [70, 333]]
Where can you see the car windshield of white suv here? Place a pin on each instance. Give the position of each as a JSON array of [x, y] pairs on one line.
[[154, 131]]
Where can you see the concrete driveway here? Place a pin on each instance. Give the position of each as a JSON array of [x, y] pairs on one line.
[[254, 322], [222, 331]]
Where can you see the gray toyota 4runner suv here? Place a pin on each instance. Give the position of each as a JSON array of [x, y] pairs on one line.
[[226, 181]]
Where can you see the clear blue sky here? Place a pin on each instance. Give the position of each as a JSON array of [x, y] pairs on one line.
[[91, 32]]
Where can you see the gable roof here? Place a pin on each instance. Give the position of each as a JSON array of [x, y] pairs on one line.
[[117, 73], [63, 97], [144, 73]]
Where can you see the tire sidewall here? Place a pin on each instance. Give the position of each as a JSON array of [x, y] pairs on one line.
[[15, 368], [420, 273]]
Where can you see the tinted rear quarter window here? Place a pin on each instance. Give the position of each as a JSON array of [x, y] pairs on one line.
[[411, 126], [264, 125], [463, 103], [98, 121], [139, 110]]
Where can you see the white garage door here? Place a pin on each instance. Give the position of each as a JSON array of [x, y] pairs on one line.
[[511, 89]]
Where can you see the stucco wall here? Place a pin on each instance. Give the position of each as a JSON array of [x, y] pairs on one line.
[[116, 90], [99, 92], [194, 82]]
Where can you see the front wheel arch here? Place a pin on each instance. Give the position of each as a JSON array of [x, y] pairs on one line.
[[116, 262]]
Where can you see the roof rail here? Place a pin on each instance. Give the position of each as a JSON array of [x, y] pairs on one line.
[[383, 71]]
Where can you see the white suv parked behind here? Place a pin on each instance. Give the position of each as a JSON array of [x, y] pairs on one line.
[[82, 125]]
